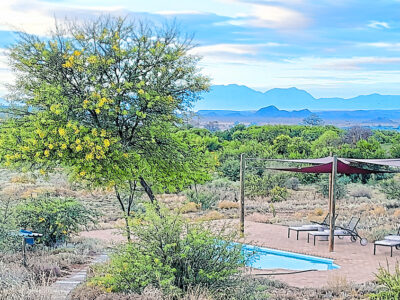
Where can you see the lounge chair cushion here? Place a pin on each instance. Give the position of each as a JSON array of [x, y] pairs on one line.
[[387, 243], [392, 237]]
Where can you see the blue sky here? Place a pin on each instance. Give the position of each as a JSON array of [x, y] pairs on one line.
[[329, 48]]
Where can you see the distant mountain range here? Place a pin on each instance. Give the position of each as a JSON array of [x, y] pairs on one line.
[[238, 98], [273, 115]]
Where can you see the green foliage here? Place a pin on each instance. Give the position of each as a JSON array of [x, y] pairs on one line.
[[262, 185], [10, 241], [230, 169], [56, 218], [390, 283], [207, 200], [171, 254], [340, 189], [279, 194], [391, 188], [292, 183]]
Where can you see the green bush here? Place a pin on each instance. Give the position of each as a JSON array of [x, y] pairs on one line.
[[391, 188], [340, 189], [262, 185], [55, 218], [173, 255], [279, 194], [390, 283], [9, 240], [230, 168], [206, 199]]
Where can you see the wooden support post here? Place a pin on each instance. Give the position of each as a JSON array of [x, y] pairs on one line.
[[242, 167], [24, 251], [332, 204]]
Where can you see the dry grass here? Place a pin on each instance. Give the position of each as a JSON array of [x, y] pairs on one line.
[[190, 207], [228, 204], [259, 218], [211, 215]]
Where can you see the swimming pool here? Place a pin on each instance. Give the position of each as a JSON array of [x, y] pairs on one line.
[[266, 258]]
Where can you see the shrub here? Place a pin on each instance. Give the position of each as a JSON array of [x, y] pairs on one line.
[[55, 218], [171, 254], [228, 204], [279, 194], [262, 186], [361, 191], [292, 183], [390, 283], [340, 189], [391, 188], [190, 207], [230, 169], [211, 215], [207, 200]]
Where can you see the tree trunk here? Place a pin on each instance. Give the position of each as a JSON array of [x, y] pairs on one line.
[[149, 193]]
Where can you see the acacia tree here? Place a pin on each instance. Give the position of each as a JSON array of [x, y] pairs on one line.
[[102, 100]]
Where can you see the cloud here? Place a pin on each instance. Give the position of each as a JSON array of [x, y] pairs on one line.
[[378, 25], [238, 49], [385, 45], [356, 63], [179, 12]]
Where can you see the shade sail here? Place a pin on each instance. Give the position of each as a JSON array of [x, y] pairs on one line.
[[342, 168], [324, 165]]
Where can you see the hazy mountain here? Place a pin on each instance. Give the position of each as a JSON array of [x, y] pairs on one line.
[[238, 98]]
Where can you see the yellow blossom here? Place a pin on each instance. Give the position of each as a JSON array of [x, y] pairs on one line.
[[89, 156], [78, 141], [41, 220], [94, 131], [61, 131], [125, 155], [77, 53], [63, 146], [97, 110], [51, 146], [78, 148], [103, 133], [106, 143], [42, 171], [82, 173], [46, 152]]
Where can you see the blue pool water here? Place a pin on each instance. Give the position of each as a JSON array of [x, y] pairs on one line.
[[265, 258]]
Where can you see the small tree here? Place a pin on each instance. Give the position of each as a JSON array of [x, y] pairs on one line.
[[101, 99]]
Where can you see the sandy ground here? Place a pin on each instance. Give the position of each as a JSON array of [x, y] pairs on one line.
[[357, 263]]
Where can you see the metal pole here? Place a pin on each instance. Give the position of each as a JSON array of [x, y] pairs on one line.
[[24, 251], [332, 203], [242, 167]]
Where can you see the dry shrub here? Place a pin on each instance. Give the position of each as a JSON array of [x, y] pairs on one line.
[[318, 212], [259, 218], [298, 215], [378, 210], [226, 204], [190, 207], [24, 179], [396, 213], [212, 215], [338, 284], [361, 191]]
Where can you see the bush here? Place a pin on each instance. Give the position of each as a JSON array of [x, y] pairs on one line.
[[340, 189], [171, 254], [207, 200], [361, 191], [279, 194], [292, 183], [262, 186], [228, 204], [55, 218], [390, 283], [230, 169], [391, 188]]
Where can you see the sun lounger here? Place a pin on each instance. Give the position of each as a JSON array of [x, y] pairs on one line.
[[349, 230], [310, 227], [392, 240], [387, 243]]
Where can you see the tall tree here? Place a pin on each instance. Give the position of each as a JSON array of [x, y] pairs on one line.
[[102, 99]]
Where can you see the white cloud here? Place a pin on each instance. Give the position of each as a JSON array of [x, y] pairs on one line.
[[355, 63], [378, 25], [388, 46], [237, 49], [179, 12]]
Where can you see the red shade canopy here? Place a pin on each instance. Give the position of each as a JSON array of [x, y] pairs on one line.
[[324, 165]]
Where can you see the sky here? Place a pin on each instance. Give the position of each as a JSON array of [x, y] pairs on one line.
[[331, 48]]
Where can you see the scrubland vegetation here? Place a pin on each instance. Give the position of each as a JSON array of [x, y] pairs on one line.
[[97, 139]]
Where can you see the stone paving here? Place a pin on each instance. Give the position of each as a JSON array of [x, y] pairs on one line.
[[62, 287]]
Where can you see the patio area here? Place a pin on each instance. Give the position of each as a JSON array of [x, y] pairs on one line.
[[357, 263]]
